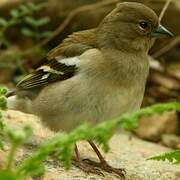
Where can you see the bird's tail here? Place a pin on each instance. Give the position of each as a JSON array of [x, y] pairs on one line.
[[16, 103], [10, 93], [11, 99]]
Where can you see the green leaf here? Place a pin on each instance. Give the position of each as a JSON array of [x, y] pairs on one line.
[[31, 6], [31, 21], [3, 91], [3, 22], [45, 34], [35, 168], [14, 13], [27, 32], [2, 125], [24, 9], [37, 7], [19, 137], [8, 175], [43, 21], [173, 157], [36, 22], [3, 103], [129, 123], [41, 5], [13, 22]]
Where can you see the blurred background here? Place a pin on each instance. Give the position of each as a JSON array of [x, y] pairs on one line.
[[29, 29]]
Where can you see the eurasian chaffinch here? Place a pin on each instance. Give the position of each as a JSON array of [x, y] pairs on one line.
[[94, 75]]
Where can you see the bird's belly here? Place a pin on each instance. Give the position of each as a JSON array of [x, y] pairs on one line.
[[118, 103], [88, 106]]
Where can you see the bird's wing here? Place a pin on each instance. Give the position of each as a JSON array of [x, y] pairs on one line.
[[62, 61], [75, 44], [52, 71]]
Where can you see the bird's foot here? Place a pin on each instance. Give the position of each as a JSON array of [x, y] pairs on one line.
[[106, 167], [87, 168]]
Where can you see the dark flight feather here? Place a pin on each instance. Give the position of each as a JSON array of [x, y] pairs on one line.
[[53, 70]]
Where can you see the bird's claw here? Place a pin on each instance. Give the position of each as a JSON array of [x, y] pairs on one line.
[[106, 167], [87, 168]]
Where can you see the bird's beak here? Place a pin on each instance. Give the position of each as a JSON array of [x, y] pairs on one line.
[[161, 32]]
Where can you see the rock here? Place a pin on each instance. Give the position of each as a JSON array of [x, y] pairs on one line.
[[125, 152], [171, 140], [152, 128]]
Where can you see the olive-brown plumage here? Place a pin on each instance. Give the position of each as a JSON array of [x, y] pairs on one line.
[[94, 75]]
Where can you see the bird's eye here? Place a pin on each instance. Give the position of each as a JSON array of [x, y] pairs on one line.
[[143, 25]]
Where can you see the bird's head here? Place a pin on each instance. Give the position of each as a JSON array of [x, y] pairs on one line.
[[131, 26]]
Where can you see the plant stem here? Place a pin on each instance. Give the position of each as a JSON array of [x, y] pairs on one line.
[[11, 156]]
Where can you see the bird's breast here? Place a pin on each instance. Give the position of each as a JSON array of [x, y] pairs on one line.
[[122, 100]]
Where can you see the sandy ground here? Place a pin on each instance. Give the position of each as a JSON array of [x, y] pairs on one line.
[[128, 153]]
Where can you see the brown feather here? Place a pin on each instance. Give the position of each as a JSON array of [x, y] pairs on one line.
[[75, 44]]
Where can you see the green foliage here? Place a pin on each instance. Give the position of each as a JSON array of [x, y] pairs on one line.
[[33, 29], [173, 157], [24, 16], [3, 103], [63, 144], [3, 106], [15, 138], [26, 23], [15, 59], [9, 175]]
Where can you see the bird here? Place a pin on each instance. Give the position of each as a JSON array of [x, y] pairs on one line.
[[94, 75]]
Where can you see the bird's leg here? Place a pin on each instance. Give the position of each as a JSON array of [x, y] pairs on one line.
[[103, 163], [83, 165]]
